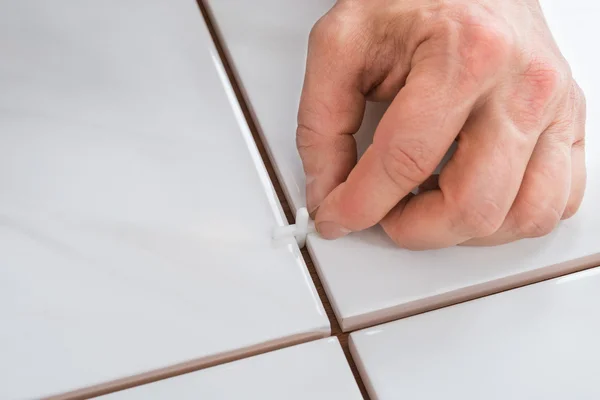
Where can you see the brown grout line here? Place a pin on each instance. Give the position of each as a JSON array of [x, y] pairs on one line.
[[343, 338], [196, 365], [247, 115], [172, 371], [335, 327], [478, 291], [336, 331]]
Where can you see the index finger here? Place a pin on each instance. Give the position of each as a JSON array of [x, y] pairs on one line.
[[410, 141], [330, 112]]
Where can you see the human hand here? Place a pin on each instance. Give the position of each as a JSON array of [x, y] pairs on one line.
[[485, 73]]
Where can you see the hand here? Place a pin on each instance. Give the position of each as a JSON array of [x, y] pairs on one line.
[[486, 73]]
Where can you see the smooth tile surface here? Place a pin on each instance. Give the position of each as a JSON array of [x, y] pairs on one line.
[[536, 342], [135, 213], [368, 279], [317, 370]]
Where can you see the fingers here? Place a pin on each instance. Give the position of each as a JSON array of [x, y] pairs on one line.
[[330, 112], [544, 192], [477, 187], [410, 141], [545, 189], [554, 182]]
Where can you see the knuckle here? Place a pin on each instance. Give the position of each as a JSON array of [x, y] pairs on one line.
[[320, 31], [540, 92], [485, 34], [336, 31], [408, 162], [475, 40], [536, 221], [478, 218], [307, 147], [305, 137], [546, 80], [424, 17], [483, 49]]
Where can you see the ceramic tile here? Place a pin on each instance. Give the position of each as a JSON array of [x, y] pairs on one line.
[[315, 370], [135, 213], [367, 278], [536, 342]]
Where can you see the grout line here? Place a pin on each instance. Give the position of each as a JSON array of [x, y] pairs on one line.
[[180, 369], [336, 330], [335, 327], [246, 111], [196, 365], [343, 338], [475, 292]]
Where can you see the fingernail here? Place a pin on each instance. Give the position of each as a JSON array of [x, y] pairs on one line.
[[331, 230]]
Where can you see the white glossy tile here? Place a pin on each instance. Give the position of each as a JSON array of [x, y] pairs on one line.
[[316, 370], [536, 342], [367, 278], [135, 213]]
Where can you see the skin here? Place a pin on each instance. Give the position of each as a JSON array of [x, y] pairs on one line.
[[485, 73]]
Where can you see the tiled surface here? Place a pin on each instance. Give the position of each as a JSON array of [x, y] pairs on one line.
[[536, 342], [367, 278], [135, 213], [317, 370]]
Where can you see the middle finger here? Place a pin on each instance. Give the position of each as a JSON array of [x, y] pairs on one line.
[[477, 186]]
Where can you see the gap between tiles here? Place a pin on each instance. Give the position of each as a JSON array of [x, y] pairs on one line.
[[195, 365], [335, 327], [336, 331], [172, 371], [503, 285]]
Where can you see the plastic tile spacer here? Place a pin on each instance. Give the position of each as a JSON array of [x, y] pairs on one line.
[[299, 230]]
